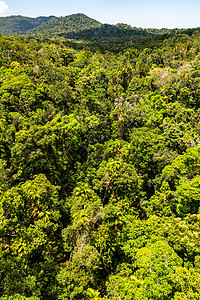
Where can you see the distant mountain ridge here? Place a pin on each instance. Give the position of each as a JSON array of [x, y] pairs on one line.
[[71, 23], [79, 27], [20, 24], [46, 26]]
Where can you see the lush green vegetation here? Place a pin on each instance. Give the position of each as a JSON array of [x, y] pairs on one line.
[[100, 168], [15, 24], [46, 26], [71, 23]]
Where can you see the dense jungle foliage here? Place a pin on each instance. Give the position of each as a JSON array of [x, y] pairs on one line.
[[100, 169]]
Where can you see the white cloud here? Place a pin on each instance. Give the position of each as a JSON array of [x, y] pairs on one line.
[[3, 8]]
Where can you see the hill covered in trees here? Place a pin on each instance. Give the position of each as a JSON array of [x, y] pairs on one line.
[[15, 24], [71, 23], [46, 26], [83, 32], [100, 166]]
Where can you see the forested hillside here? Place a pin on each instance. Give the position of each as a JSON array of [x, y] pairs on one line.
[[15, 24], [82, 32], [71, 23], [46, 26], [100, 169]]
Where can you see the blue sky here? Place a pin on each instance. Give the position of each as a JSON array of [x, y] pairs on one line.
[[139, 13]]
